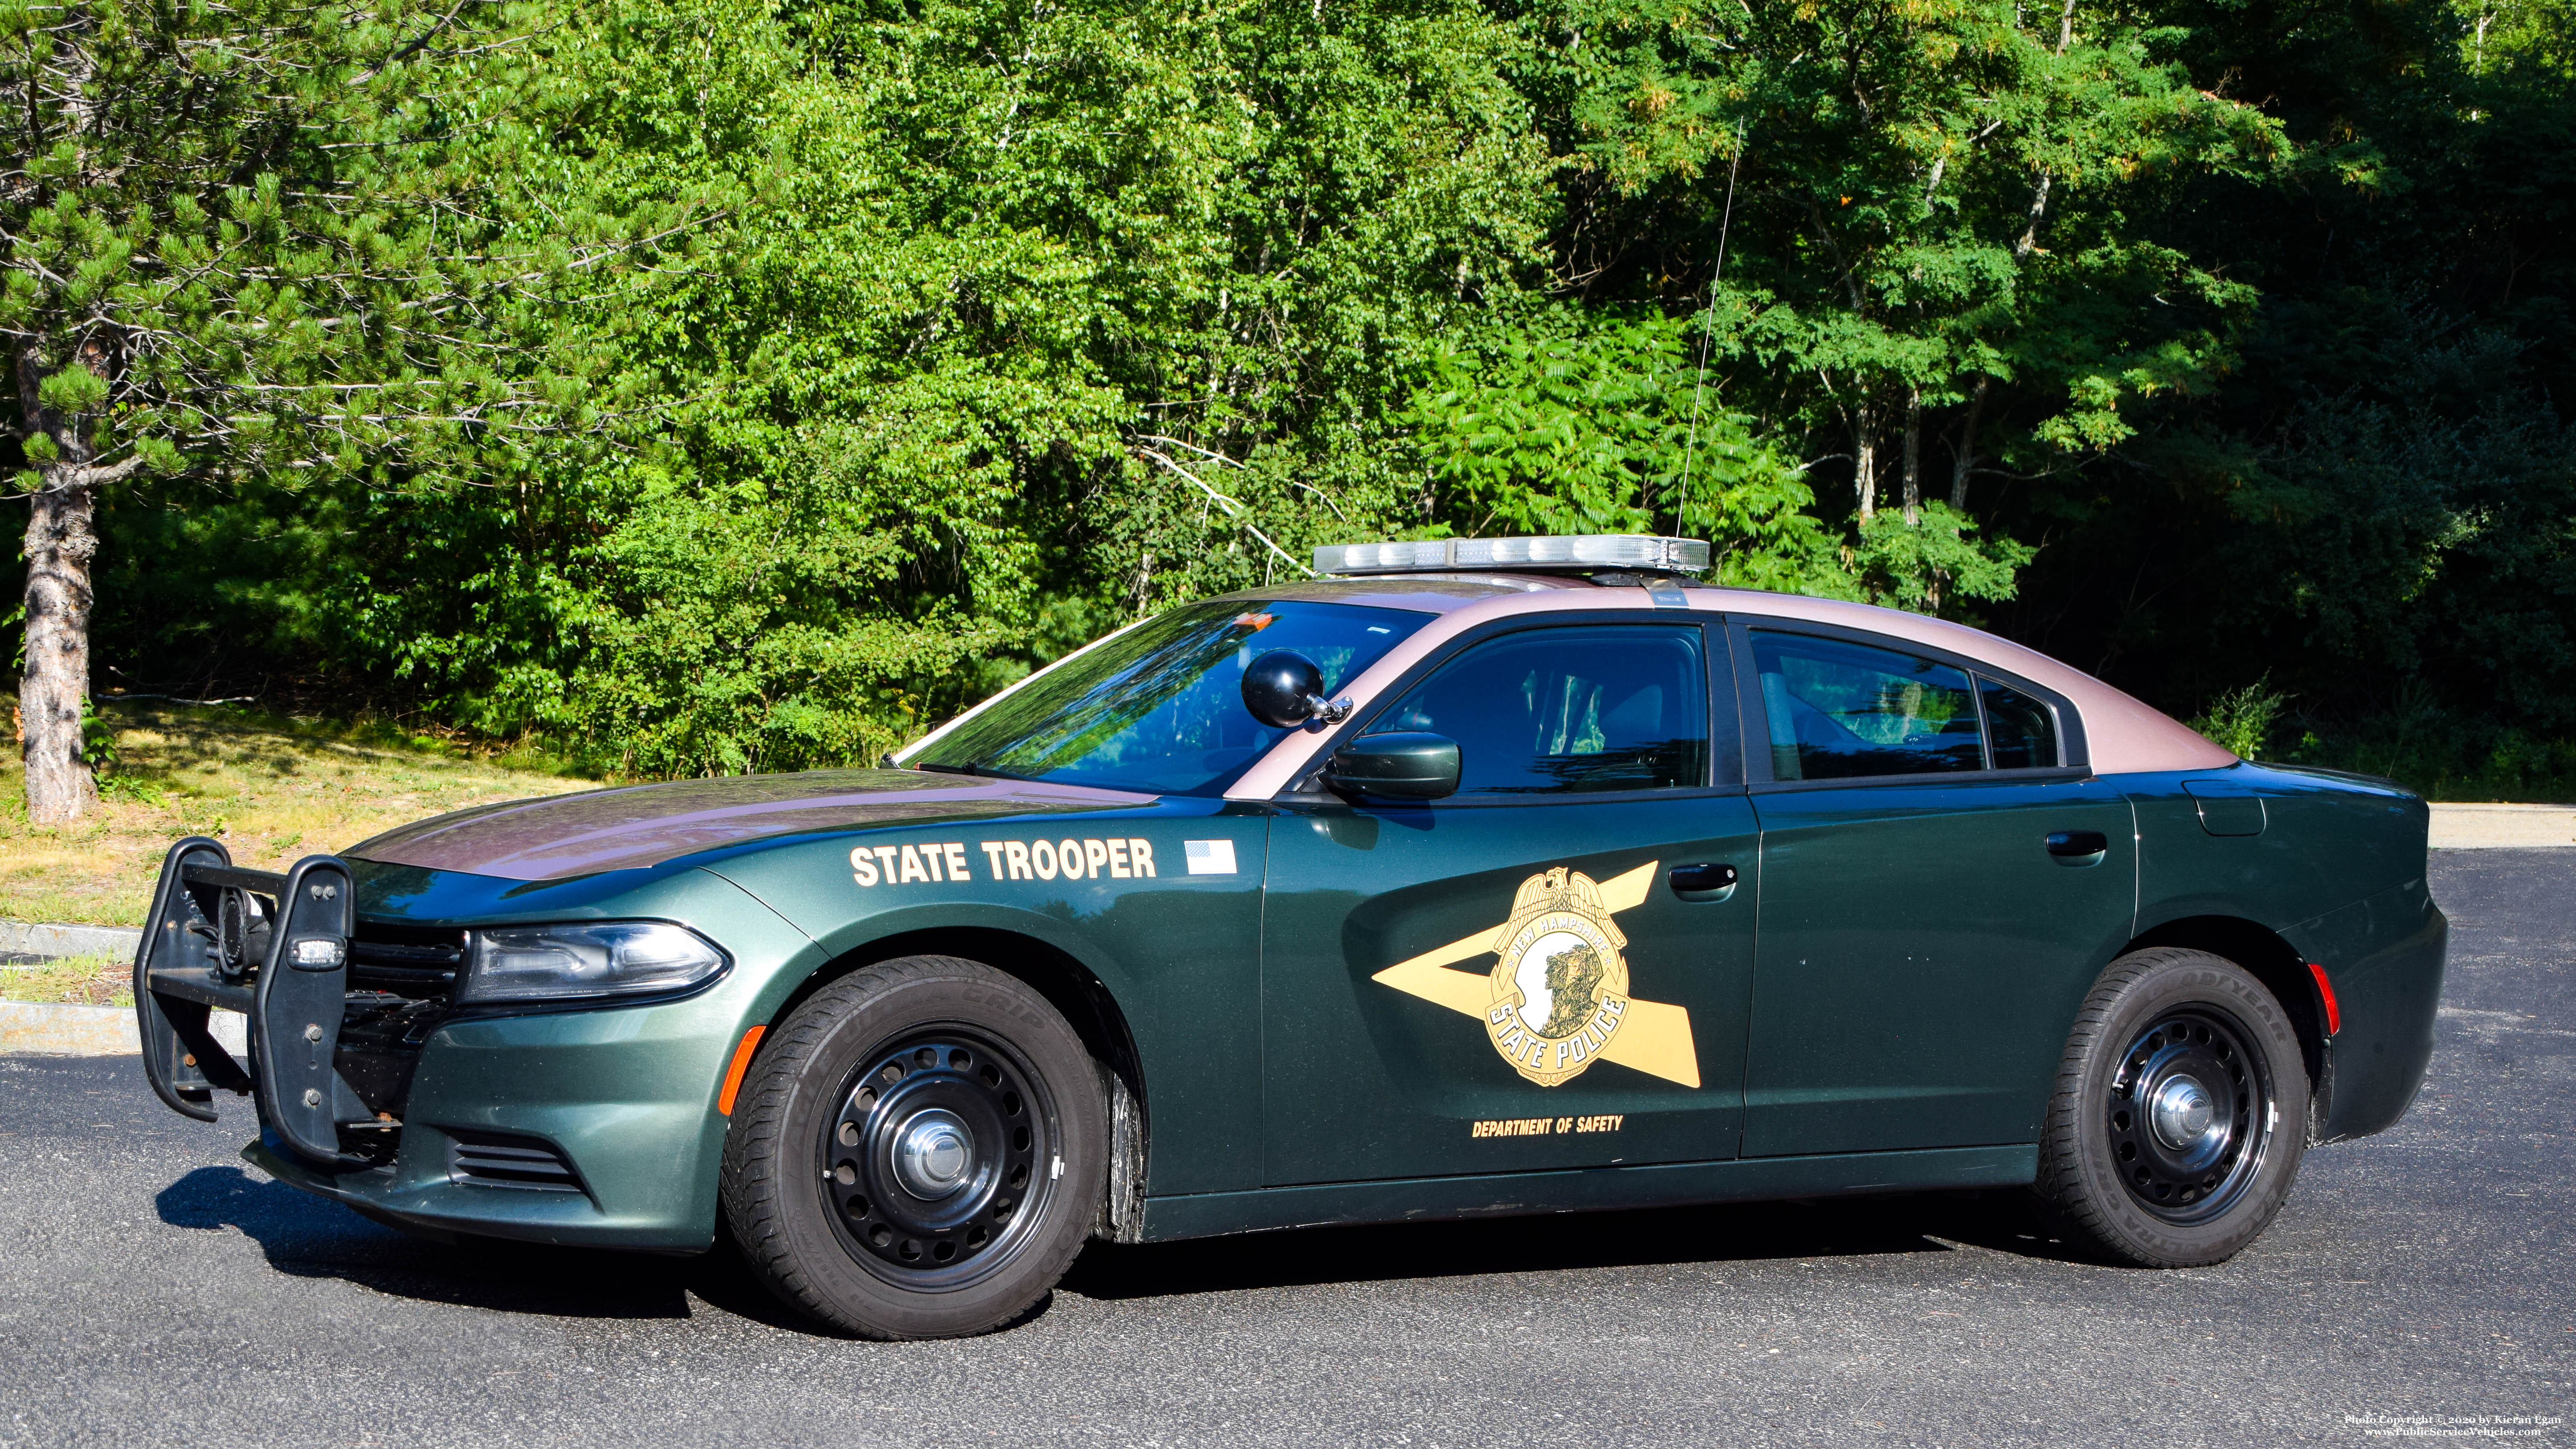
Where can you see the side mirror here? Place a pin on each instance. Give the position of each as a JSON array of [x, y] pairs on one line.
[[1284, 689], [1395, 766]]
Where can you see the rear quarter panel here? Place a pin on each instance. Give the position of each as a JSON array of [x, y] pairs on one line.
[[2337, 873], [2327, 841]]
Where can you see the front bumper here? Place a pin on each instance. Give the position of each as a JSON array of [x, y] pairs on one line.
[[596, 1128], [576, 1124]]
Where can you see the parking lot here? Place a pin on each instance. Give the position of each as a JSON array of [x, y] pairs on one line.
[[159, 1290]]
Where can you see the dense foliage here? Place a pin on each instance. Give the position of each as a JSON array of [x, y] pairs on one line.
[[803, 371]]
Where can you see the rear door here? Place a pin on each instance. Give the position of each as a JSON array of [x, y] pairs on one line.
[[1507, 979], [1942, 880]]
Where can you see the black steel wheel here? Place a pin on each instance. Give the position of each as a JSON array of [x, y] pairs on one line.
[[2181, 1112], [2189, 1115], [941, 1157], [917, 1151]]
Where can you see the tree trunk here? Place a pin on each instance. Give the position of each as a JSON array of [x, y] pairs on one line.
[[1865, 458], [1966, 458], [60, 544], [1913, 456]]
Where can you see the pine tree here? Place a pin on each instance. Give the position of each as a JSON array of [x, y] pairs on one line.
[[272, 239]]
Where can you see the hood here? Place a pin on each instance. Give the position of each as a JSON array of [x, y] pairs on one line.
[[644, 825]]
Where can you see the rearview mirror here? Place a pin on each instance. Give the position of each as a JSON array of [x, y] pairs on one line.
[[1395, 766]]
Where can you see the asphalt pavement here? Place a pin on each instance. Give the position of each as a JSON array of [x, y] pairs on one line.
[[154, 1289]]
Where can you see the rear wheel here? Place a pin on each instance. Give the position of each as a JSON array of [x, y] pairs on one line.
[[918, 1151], [2181, 1112]]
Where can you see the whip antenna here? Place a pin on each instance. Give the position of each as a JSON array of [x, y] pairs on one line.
[[1708, 324]]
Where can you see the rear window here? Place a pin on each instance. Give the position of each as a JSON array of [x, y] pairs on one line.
[[1838, 710], [2020, 731]]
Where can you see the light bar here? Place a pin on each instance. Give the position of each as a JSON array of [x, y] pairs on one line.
[[1640, 551]]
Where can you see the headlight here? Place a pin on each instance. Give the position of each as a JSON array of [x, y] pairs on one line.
[[610, 958]]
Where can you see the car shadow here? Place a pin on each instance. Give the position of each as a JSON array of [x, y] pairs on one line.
[[1931, 1222], [313, 1237]]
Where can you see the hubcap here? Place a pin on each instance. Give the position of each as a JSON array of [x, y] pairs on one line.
[[933, 1156], [935, 1167], [2182, 1112], [2189, 1115]]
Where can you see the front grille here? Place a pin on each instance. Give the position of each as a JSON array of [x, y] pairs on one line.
[[498, 1159], [415, 961], [400, 980]]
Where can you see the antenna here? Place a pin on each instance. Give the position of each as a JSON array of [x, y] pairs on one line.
[[1709, 325]]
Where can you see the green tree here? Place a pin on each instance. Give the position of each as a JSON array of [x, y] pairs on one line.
[[2373, 507], [982, 325], [1567, 422], [1935, 212], [272, 241], [1035, 317]]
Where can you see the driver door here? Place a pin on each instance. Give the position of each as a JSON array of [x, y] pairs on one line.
[[1508, 979]]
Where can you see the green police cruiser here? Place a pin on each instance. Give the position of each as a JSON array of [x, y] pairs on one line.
[[1476, 876]]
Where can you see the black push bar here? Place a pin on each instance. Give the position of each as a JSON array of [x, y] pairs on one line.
[[274, 947]]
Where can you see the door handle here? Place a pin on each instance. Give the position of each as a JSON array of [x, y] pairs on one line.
[[2078, 847], [1706, 882]]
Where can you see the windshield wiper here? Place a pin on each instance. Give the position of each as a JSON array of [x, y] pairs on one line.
[[977, 770]]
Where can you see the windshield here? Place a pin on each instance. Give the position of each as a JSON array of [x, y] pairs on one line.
[[1160, 708]]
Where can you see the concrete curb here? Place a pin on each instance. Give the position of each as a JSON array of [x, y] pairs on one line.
[[95, 1031], [2502, 827], [35, 938]]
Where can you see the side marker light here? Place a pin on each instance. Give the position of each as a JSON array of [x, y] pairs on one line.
[[733, 1074], [2325, 990]]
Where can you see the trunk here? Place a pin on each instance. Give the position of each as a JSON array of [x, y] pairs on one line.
[[2038, 212], [1966, 457], [1865, 458], [60, 543], [1913, 456]]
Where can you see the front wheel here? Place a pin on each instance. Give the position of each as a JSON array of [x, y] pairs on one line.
[[918, 1152], [2181, 1112]]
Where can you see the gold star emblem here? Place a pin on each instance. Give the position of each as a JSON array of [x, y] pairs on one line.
[[1556, 1000]]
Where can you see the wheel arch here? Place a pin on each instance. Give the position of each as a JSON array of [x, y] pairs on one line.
[[2270, 959], [1075, 991]]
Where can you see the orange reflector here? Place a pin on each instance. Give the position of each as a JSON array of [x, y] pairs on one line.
[[2325, 990], [741, 1064]]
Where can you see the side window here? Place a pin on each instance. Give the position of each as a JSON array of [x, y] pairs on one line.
[[1836, 711], [1570, 711], [2022, 730]]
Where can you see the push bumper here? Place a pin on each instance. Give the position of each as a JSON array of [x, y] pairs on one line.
[[274, 948]]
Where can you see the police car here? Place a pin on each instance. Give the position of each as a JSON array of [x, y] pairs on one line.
[[1476, 876]]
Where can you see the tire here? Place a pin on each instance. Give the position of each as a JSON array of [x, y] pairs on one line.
[[918, 1151], [2180, 1116]]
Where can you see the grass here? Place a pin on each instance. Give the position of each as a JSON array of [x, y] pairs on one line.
[[271, 788], [76, 980]]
